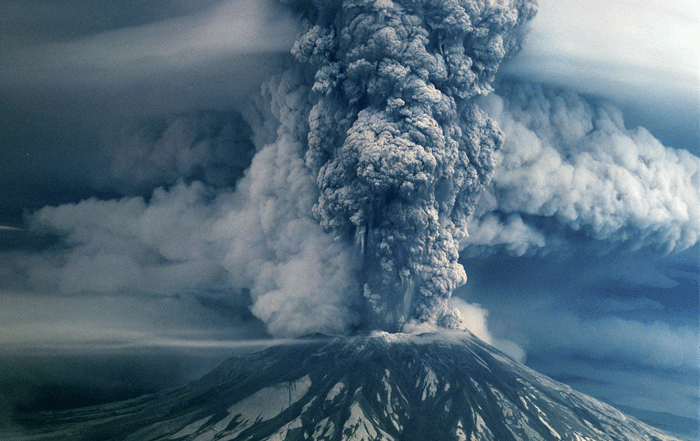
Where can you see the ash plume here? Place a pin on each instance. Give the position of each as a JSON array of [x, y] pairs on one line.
[[368, 155], [400, 150]]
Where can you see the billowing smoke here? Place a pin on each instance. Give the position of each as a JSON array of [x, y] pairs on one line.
[[368, 157], [400, 150], [211, 147], [300, 280], [571, 162], [341, 200]]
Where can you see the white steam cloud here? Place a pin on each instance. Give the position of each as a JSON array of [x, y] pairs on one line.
[[300, 279], [163, 246], [575, 162]]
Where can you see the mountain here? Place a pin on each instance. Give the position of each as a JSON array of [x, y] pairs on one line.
[[380, 387]]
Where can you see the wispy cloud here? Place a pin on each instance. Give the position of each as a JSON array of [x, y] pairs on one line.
[[653, 344], [643, 55], [8, 228], [644, 47], [123, 320], [174, 44]]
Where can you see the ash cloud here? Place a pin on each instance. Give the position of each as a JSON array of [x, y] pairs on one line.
[[369, 154], [400, 148], [341, 203], [212, 147], [572, 161], [237, 215]]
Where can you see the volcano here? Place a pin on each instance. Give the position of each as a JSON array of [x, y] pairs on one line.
[[389, 387]]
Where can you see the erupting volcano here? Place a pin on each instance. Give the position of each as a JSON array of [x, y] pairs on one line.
[[387, 387]]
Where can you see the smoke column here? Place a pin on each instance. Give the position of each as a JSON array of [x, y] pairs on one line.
[[399, 149], [353, 182]]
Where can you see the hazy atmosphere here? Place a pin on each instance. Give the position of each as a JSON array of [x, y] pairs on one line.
[[187, 180]]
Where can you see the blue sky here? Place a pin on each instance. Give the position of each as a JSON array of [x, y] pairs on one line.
[[126, 131]]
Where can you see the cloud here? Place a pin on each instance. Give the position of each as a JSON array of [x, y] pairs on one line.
[[213, 147], [161, 246], [475, 320], [37, 21], [186, 240], [646, 48], [301, 280], [8, 228], [634, 332], [111, 321], [653, 344], [642, 55], [171, 44], [211, 56], [574, 163], [400, 149]]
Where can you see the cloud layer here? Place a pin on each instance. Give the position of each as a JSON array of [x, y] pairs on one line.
[[573, 161], [130, 53]]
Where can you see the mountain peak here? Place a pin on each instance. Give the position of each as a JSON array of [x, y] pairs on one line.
[[446, 386]]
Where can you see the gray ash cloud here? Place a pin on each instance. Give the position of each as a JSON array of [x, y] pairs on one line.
[[400, 150], [338, 199], [368, 155]]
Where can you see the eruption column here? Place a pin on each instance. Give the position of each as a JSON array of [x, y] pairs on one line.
[[400, 150]]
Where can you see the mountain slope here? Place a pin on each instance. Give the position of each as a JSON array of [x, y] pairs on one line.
[[382, 387]]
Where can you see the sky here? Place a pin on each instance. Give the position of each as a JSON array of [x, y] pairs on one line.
[[157, 215]]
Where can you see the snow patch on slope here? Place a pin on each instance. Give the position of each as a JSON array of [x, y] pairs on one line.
[[541, 416], [191, 428], [516, 421], [461, 436], [261, 406], [323, 430], [430, 384], [337, 389], [281, 434], [359, 427]]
